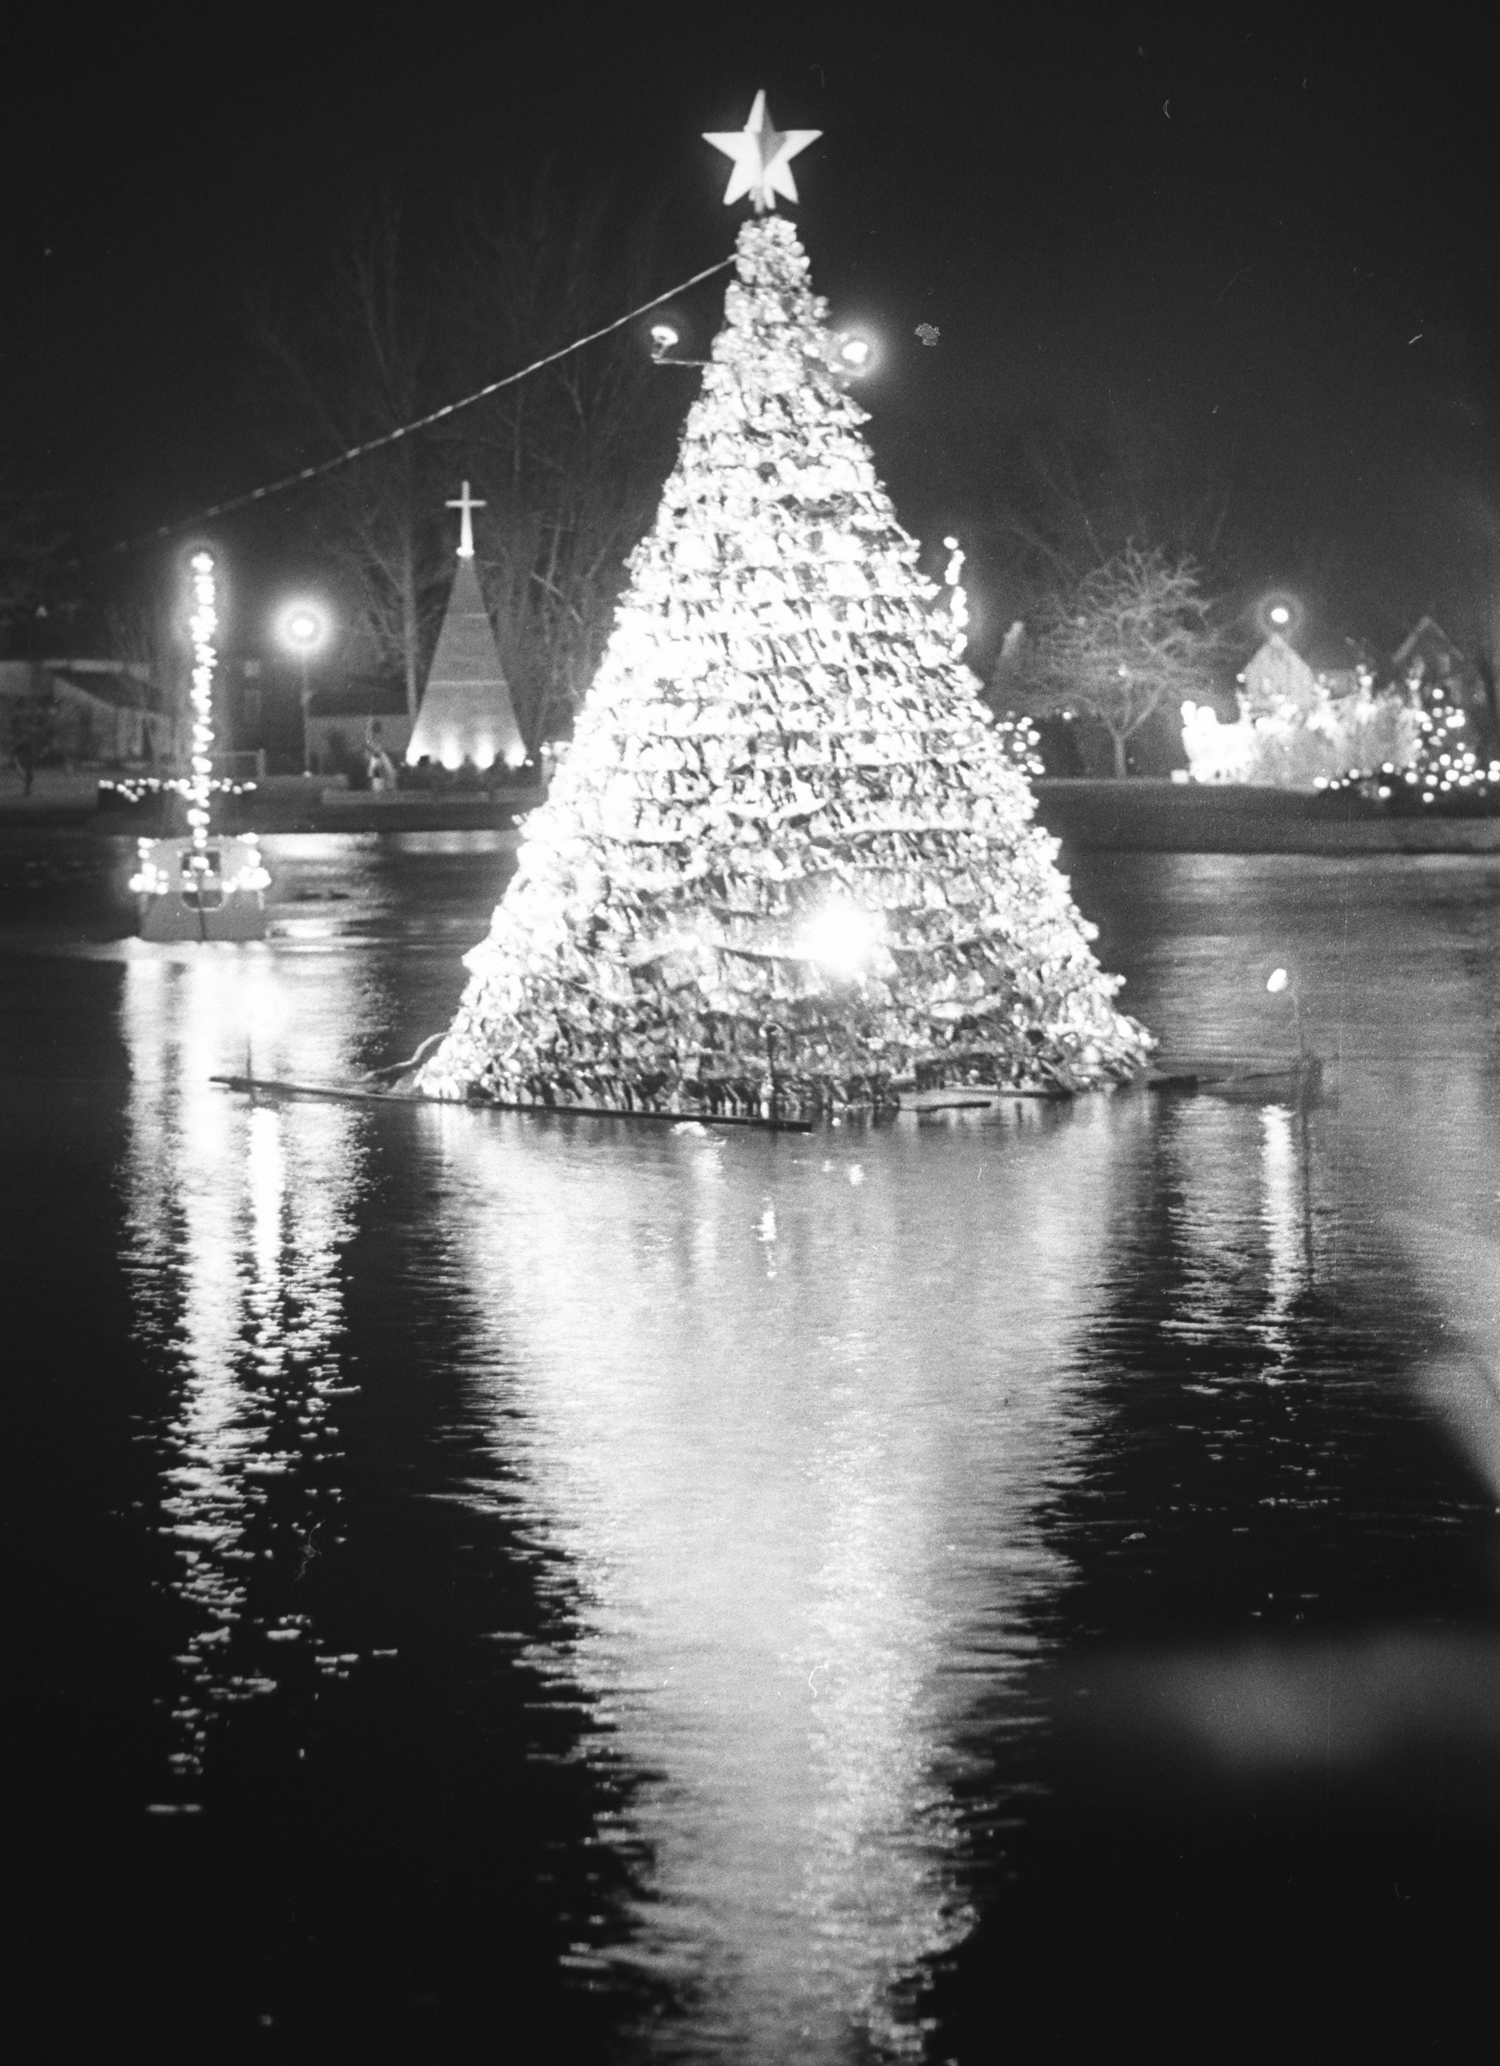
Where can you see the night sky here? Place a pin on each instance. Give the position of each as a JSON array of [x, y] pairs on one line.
[[1274, 240]]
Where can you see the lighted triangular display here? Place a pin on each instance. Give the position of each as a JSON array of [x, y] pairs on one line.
[[787, 865], [466, 711]]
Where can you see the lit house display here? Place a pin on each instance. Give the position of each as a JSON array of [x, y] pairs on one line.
[[1298, 729]]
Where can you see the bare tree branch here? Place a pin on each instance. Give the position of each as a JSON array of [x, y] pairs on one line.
[[1131, 636]]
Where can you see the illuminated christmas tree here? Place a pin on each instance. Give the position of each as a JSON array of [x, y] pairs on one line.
[[787, 865], [1443, 774]]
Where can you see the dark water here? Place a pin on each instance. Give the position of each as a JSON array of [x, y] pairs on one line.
[[502, 1588]]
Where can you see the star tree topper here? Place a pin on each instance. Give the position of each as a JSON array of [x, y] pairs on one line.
[[762, 157]]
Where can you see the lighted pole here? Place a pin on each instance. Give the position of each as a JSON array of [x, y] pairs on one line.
[[203, 624], [303, 629]]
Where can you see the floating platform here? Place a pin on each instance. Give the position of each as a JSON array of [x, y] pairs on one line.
[[976, 1097], [1266, 1078], [1296, 1079], [215, 892], [368, 1094]]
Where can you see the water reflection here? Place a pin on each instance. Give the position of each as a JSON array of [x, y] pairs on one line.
[[235, 1214], [791, 1438], [1286, 1218], [1239, 1247]]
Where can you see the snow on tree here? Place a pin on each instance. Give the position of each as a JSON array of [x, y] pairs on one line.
[[786, 864]]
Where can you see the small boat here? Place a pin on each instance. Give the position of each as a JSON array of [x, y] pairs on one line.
[[215, 891]]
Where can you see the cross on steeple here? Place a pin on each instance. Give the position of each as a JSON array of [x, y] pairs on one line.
[[468, 504]]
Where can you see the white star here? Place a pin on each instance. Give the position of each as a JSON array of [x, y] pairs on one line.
[[762, 157]]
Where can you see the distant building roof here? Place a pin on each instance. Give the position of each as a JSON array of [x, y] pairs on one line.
[[110, 685], [1428, 642], [1276, 678], [123, 684]]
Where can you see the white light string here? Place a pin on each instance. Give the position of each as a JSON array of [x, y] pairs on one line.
[[203, 623], [389, 437]]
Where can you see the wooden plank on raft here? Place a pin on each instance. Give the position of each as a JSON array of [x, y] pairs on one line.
[[353, 1094]]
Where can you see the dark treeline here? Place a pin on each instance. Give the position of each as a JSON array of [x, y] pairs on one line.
[[408, 312], [568, 462]]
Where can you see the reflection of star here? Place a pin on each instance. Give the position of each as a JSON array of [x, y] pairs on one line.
[[762, 157]]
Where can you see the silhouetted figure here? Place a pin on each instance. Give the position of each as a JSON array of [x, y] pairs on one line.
[[378, 763]]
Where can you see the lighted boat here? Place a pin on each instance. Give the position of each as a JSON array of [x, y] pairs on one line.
[[197, 886], [215, 891]]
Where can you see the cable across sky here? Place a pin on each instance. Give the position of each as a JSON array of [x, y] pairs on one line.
[[389, 437]]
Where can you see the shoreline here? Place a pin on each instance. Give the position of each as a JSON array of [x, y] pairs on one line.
[[1140, 815]]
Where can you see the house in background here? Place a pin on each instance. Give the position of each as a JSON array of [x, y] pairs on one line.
[[1428, 658], [108, 712]]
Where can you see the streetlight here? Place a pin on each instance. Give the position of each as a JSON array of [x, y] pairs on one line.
[[1280, 614], [664, 342], [303, 629]]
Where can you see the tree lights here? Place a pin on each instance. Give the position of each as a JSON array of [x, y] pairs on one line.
[[1443, 773], [788, 866], [958, 602]]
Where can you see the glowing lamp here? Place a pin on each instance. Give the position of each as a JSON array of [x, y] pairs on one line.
[[1280, 614], [851, 354], [303, 627], [664, 342], [840, 938]]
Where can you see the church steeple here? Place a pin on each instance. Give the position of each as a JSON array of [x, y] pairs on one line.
[[467, 712], [467, 503]]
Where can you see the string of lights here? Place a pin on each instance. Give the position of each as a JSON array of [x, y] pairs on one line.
[[202, 624], [389, 437]]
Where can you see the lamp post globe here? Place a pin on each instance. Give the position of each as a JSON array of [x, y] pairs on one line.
[[303, 627], [851, 354], [1280, 613]]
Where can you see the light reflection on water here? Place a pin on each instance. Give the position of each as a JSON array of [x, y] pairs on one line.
[[1286, 1216], [235, 1214], [794, 1418], [791, 1437]]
